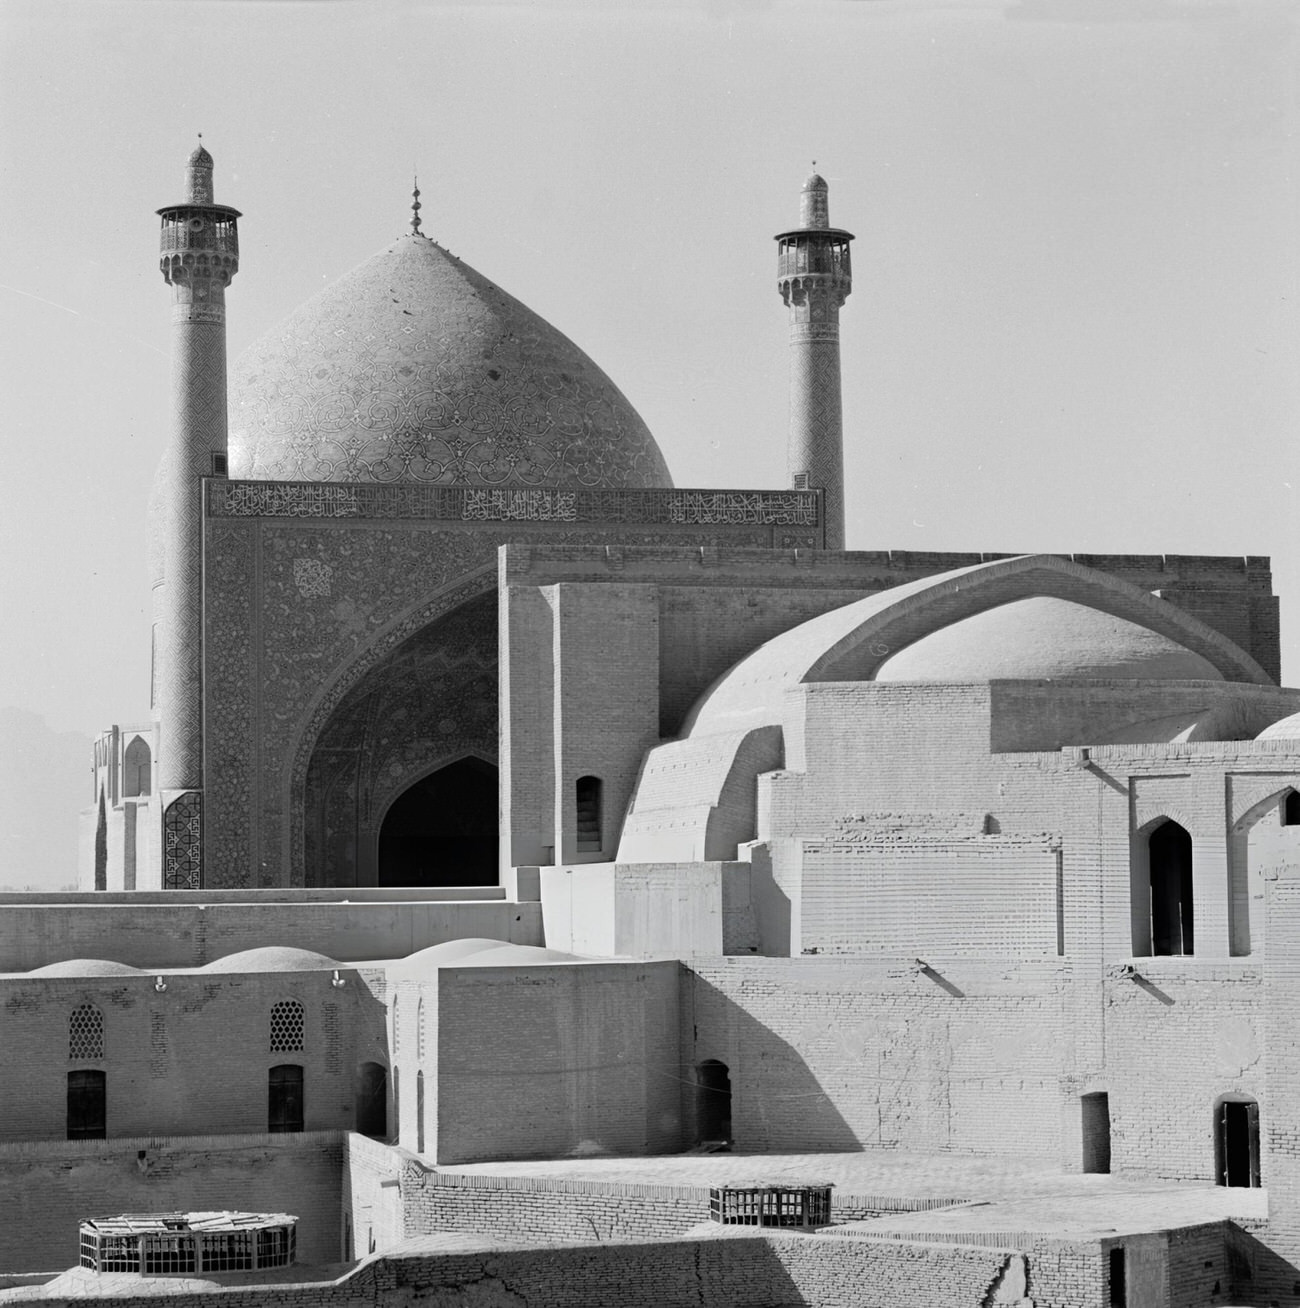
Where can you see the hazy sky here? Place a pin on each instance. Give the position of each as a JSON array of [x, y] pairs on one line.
[[1074, 323]]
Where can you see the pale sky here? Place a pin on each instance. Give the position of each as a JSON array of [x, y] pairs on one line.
[[1074, 322]]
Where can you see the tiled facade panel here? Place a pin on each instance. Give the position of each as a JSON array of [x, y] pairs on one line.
[[192, 934], [987, 895], [190, 1060], [550, 1061], [54, 1186], [846, 1055]]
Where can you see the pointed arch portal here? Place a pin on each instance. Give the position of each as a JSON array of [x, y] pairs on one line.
[[442, 831]]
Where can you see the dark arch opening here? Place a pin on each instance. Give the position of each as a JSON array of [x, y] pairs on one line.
[[442, 831], [372, 1101], [1291, 809], [1169, 849], [588, 815], [1236, 1142], [284, 1099], [712, 1103], [137, 769], [87, 1105]]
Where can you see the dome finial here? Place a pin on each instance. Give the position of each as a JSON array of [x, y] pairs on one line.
[[415, 208]]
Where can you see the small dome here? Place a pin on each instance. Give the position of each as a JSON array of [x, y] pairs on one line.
[[1287, 729], [435, 956], [519, 956], [85, 967], [815, 182], [272, 958], [1045, 637], [416, 368], [199, 157]]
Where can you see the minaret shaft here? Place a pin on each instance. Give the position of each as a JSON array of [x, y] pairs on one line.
[[199, 254], [815, 276]]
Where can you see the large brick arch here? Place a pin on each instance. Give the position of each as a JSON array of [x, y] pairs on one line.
[[347, 680], [851, 643]]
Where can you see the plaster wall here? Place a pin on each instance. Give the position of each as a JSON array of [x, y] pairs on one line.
[[635, 910]]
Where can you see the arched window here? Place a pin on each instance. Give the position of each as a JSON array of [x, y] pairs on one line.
[[712, 1102], [101, 845], [1291, 809], [372, 1101], [419, 1112], [1236, 1141], [284, 1098], [286, 1027], [588, 811], [87, 1115], [137, 767], [1169, 859], [86, 1034]]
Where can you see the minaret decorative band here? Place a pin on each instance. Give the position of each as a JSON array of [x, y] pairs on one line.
[[198, 256], [815, 276]]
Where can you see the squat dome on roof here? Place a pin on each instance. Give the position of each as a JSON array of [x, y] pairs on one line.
[[416, 368]]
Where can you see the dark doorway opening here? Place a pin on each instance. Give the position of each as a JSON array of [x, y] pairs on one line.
[[1118, 1279], [1291, 810], [87, 1104], [1237, 1142], [284, 1098], [712, 1103], [443, 830], [1096, 1132], [1170, 851], [372, 1101]]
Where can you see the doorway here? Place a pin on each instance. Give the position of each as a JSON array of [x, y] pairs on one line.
[[1170, 852], [1236, 1141], [712, 1102], [1096, 1132], [443, 830]]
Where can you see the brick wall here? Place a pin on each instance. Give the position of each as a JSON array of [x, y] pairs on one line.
[[56, 1184], [191, 1060], [543, 1062], [190, 934]]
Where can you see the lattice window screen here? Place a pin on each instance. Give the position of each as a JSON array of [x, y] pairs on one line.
[[286, 1027], [86, 1034]]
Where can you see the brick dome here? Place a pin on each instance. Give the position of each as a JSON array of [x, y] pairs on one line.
[[416, 368], [1044, 636]]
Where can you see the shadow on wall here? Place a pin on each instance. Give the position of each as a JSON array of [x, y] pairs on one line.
[[1259, 1275], [776, 1100]]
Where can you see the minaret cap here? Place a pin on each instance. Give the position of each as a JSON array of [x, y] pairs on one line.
[[198, 176], [814, 203]]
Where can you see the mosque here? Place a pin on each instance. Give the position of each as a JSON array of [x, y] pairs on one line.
[[526, 855]]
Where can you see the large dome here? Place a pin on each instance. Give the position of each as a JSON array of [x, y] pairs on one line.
[[416, 368]]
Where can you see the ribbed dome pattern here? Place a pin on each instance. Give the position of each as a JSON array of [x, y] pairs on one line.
[[416, 368]]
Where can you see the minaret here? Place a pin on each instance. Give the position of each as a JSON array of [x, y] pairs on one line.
[[814, 276], [198, 255]]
